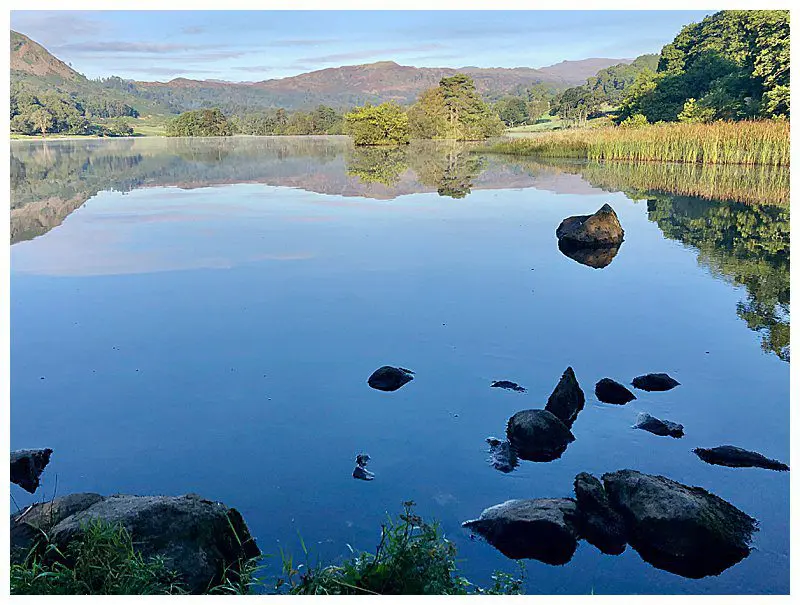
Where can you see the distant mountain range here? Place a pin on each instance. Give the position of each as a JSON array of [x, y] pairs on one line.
[[339, 87]]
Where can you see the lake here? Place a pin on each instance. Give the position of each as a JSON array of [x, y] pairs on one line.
[[202, 316]]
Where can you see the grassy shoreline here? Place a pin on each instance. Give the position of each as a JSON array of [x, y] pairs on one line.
[[748, 143]]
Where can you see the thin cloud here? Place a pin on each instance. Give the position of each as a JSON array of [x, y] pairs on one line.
[[255, 68], [366, 54], [53, 28], [193, 30], [134, 47]]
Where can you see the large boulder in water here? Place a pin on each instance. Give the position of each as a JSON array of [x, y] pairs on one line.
[[684, 530], [736, 457], [27, 466], [598, 523], [388, 378], [197, 538], [567, 400], [598, 230], [596, 258], [655, 382], [610, 391], [538, 435], [542, 529]]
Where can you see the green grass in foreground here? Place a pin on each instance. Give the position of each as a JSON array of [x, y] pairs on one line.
[[763, 142], [412, 557]]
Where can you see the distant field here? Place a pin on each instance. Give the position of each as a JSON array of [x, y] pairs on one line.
[[145, 126]]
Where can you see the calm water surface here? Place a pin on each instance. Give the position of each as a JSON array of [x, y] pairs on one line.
[[202, 316]]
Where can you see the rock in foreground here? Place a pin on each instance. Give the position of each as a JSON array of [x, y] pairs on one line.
[[729, 455], [541, 529], [388, 378], [197, 538], [501, 455], [567, 400], [655, 382], [610, 391], [27, 466], [598, 230], [508, 385], [684, 530], [654, 425], [538, 435], [598, 523]]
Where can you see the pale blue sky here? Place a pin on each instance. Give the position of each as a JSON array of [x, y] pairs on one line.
[[250, 45]]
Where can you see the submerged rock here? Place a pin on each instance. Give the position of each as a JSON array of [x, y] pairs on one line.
[[729, 455], [610, 391], [598, 230], [538, 435], [508, 385], [685, 530], [360, 471], [598, 523], [542, 529], [27, 466], [501, 455], [654, 425], [197, 538], [388, 378], [596, 258], [655, 382], [567, 400]]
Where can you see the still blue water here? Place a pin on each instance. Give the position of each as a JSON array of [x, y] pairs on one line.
[[217, 338]]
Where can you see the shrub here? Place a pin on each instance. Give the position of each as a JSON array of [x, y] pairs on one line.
[[384, 124]]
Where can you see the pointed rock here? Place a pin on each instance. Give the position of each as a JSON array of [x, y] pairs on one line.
[[598, 230], [654, 425], [27, 466], [598, 523], [567, 400]]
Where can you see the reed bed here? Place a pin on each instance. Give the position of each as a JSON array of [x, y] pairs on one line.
[[749, 143]]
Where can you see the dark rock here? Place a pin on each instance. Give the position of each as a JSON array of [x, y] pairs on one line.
[[567, 400], [729, 455], [598, 523], [538, 435], [388, 378], [507, 384], [654, 425], [360, 471], [596, 258], [598, 230], [27, 467], [501, 455], [197, 538], [29, 524], [684, 530], [655, 382], [541, 529], [610, 391]]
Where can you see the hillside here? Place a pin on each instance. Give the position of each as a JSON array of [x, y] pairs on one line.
[[339, 87]]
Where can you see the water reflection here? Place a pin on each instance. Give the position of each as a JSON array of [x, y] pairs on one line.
[[745, 242]]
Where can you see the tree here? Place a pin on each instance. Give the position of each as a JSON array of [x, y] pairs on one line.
[[454, 110], [576, 104], [384, 124], [42, 120], [512, 110], [200, 123]]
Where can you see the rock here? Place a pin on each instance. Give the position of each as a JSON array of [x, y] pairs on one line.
[[538, 435], [596, 258], [388, 378], [508, 385], [654, 425], [197, 538], [567, 400], [598, 230], [541, 529], [684, 530], [610, 391], [729, 455], [360, 471], [655, 382], [501, 455], [27, 525], [598, 523], [27, 467]]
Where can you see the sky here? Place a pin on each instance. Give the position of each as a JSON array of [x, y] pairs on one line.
[[259, 45]]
